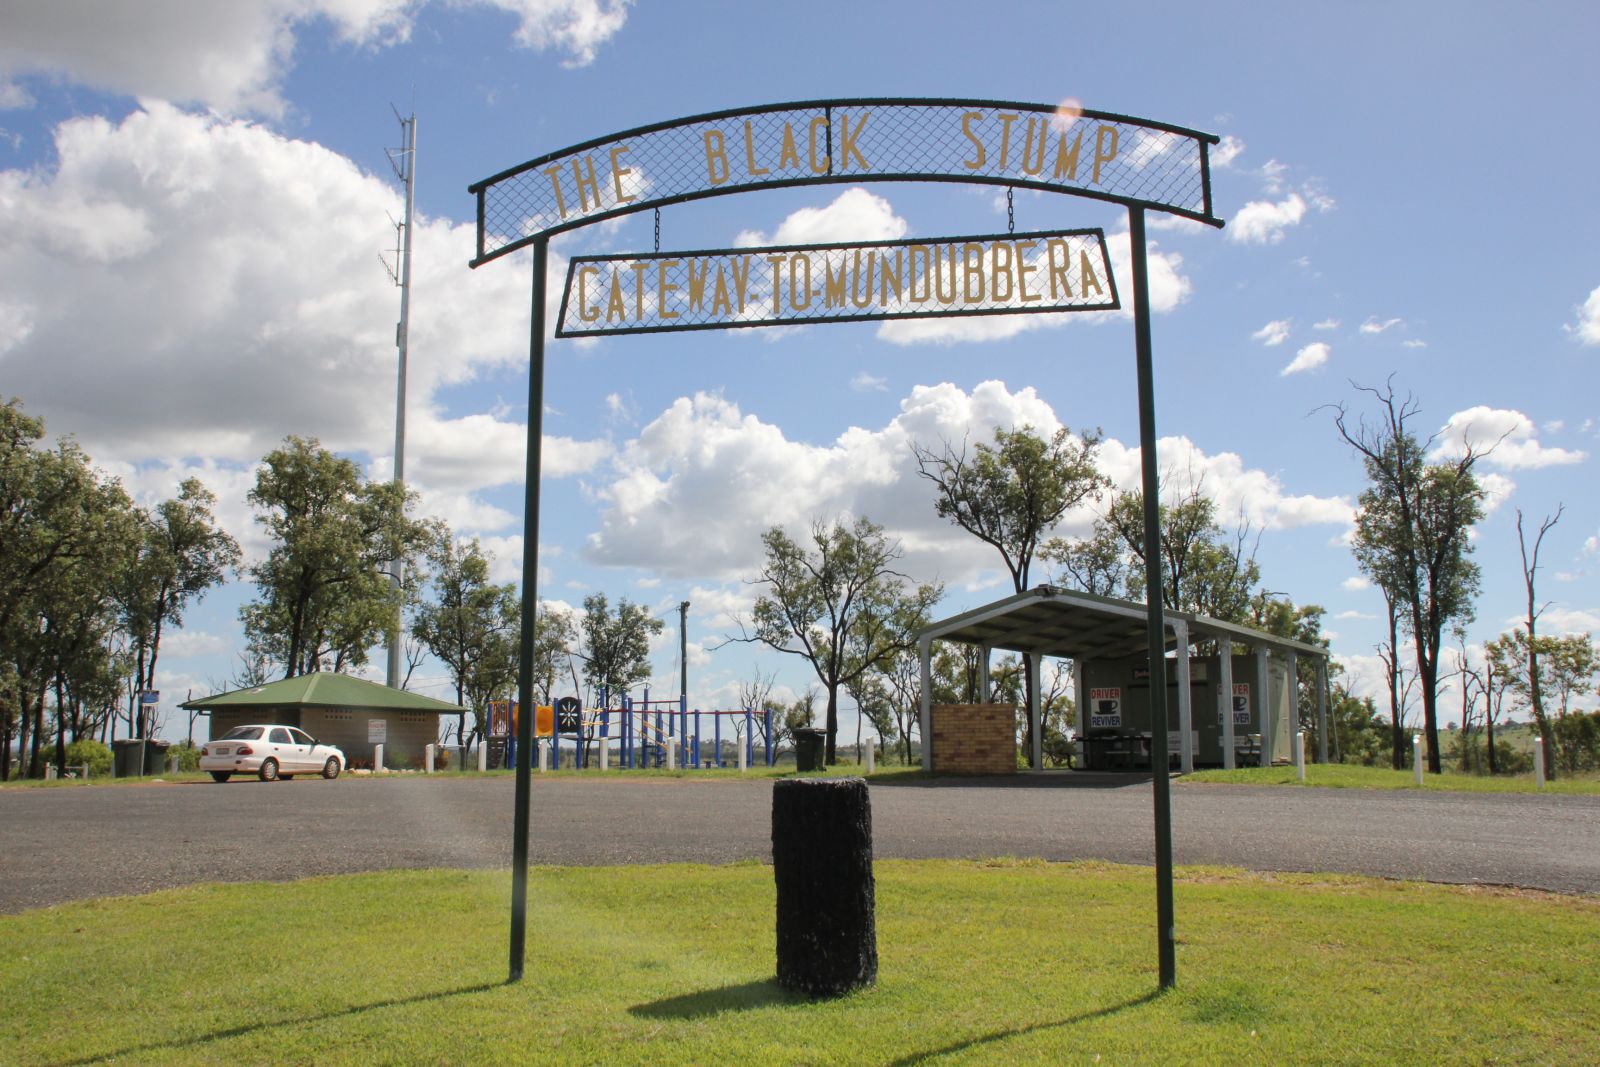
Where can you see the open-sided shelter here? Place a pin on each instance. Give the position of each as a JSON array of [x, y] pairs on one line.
[[1225, 708], [339, 709]]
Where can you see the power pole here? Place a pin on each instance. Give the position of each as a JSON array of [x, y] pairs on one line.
[[404, 162], [683, 653]]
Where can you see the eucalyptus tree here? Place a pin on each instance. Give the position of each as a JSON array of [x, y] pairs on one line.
[[181, 553], [323, 597], [1012, 493], [837, 603], [470, 624], [616, 644], [1413, 529]]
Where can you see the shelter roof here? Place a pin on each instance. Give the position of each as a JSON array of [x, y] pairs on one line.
[[323, 689], [1050, 621]]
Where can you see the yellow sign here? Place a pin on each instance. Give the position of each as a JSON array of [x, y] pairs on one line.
[[1066, 270], [544, 721]]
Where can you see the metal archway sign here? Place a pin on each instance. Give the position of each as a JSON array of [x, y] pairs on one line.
[[1137, 163]]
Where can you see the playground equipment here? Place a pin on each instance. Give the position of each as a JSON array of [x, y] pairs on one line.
[[641, 731]]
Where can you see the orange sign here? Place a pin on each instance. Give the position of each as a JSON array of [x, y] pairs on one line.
[[544, 721]]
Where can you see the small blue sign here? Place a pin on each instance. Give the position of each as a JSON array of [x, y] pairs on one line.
[[150, 696]]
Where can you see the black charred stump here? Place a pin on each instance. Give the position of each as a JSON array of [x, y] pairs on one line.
[[822, 861]]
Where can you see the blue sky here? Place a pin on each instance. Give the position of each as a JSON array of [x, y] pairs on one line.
[[194, 196]]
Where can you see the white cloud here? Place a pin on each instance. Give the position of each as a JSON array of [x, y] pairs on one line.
[[232, 56], [1507, 435], [13, 97], [1355, 615], [1497, 489], [1273, 333], [690, 496], [1563, 620], [1356, 584], [1372, 325], [1588, 325], [186, 643], [854, 215], [1223, 154], [866, 382], [1308, 358], [1326, 324], [1414, 342], [1169, 287], [1264, 222], [1555, 426]]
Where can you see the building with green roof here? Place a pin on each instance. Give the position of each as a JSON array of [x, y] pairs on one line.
[[337, 709]]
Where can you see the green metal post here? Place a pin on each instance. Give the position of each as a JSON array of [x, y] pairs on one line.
[[530, 602], [1156, 629]]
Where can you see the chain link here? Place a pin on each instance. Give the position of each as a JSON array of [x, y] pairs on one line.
[[658, 229], [1011, 212]]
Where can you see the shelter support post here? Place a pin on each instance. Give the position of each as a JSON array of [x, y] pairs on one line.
[[1225, 702], [1180, 632], [1322, 710], [1166, 935], [925, 711], [984, 653], [1080, 683], [1035, 719], [1293, 710], [530, 600], [1264, 698]]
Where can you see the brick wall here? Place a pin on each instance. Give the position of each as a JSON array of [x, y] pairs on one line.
[[974, 739]]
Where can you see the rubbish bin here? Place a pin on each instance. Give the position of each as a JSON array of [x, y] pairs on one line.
[[808, 748], [155, 757], [126, 757]]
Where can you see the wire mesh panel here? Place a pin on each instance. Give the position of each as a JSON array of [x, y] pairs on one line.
[[1060, 149], [1018, 273]]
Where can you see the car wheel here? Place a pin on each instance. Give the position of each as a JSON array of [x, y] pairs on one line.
[[269, 771], [221, 776], [330, 770]]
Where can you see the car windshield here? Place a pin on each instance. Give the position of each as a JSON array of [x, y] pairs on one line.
[[242, 733]]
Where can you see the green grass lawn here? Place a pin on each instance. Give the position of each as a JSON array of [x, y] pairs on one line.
[[1346, 776], [1015, 962]]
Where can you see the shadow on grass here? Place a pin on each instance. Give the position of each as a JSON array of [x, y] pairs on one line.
[[1005, 1035], [271, 1024], [713, 1001]]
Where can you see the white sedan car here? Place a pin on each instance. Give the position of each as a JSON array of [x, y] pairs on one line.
[[269, 752]]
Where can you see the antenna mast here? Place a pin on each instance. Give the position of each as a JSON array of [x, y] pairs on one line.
[[404, 162]]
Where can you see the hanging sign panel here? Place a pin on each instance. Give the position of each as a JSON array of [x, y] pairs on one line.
[[1241, 704], [1056, 148], [1008, 274], [1105, 708]]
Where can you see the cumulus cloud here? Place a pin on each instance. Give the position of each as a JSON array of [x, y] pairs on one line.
[[1374, 325], [1308, 358], [865, 382], [1223, 154], [1264, 221], [232, 56], [691, 494], [854, 215], [1326, 324], [1587, 328], [1507, 436], [1356, 584], [1169, 287], [1273, 333]]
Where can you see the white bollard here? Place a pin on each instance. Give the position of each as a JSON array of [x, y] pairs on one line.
[[49, 772], [672, 753], [483, 756], [377, 758], [427, 759], [172, 764], [1538, 762], [605, 753], [744, 756], [1416, 758], [544, 757], [1300, 754], [872, 758]]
